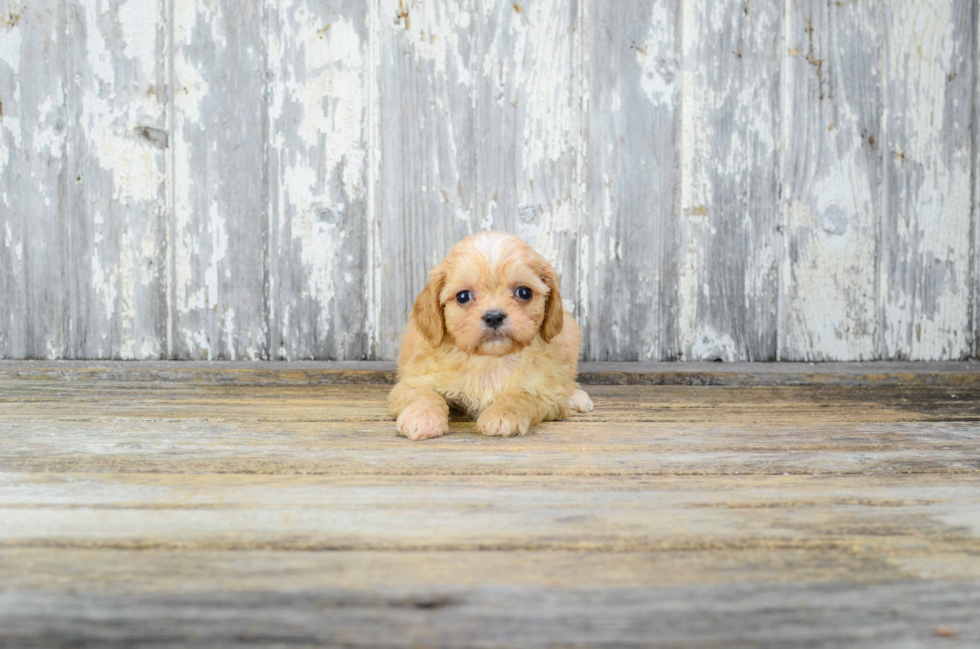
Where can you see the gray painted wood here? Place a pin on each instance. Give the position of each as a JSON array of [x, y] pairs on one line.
[[528, 140], [831, 174], [319, 71], [675, 160], [875, 373], [220, 223], [428, 183], [819, 614], [117, 181], [926, 218], [479, 130], [180, 513], [975, 268], [34, 288], [628, 270], [729, 246]]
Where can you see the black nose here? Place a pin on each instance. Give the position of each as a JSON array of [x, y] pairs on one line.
[[494, 319]]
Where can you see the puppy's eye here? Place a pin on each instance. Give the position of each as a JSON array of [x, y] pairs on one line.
[[463, 297], [524, 293]]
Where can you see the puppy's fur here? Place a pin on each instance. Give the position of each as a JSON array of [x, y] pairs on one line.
[[510, 377]]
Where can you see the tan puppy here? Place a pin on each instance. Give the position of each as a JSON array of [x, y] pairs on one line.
[[488, 335]]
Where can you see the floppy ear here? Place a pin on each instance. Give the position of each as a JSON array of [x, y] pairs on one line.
[[427, 313], [554, 312]]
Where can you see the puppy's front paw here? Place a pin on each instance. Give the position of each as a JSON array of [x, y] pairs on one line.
[[497, 422], [580, 401], [419, 422]]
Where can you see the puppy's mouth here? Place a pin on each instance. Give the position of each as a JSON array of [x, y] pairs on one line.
[[495, 341], [494, 334]]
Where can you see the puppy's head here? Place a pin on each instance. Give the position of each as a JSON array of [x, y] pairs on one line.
[[492, 295]]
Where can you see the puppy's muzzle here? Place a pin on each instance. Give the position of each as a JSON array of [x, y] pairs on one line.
[[494, 319]]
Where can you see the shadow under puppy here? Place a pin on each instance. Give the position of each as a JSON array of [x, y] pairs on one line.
[[488, 335]]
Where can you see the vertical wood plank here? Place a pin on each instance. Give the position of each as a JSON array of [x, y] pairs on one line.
[[831, 174], [528, 132], [975, 127], [428, 186], [33, 177], [728, 279], [319, 93], [629, 275], [117, 109], [926, 224], [220, 223]]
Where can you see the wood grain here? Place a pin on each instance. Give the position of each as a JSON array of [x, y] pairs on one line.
[[975, 268], [728, 283], [628, 271], [219, 223], [136, 573], [117, 178], [34, 285], [319, 59], [895, 374], [529, 98], [224, 511], [708, 616], [100, 427], [428, 184], [926, 221], [713, 514], [831, 175], [188, 179]]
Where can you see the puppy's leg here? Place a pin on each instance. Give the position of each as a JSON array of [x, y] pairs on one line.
[[513, 413], [580, 401], [422, 412]]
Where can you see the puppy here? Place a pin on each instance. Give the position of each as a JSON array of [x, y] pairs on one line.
[[488, 335]]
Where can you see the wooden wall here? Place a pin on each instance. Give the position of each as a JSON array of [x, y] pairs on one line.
[[714, 179]]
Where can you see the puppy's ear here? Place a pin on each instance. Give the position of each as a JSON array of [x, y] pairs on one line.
[[427, 313], [554, 312]]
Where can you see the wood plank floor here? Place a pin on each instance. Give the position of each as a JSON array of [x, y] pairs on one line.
[[220, 505]]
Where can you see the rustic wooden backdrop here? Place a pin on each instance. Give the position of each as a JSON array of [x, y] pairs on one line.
[[714, 179]]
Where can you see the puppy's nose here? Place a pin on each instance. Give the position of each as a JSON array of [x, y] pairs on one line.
[[494, 319]]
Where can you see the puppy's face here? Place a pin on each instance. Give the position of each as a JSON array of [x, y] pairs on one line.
[[493, 295]]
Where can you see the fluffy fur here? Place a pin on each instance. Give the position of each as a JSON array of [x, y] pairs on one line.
[[509, 378]]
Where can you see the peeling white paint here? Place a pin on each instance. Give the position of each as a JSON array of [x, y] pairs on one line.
[[104, 286], [925, 278], [149, 350], [198, 341], [10, 125], [10, 46], [47, 137], [727, 155], [228, 328], [481, 66], [434, 36], [127, 290], [138, 22], [134, 167], [333, 77], [98, 57], [54, 351], [190, 92], [8, 243], [657, 60], [710, 345], [117, 95], [325, 87], [321, 243], [488, 218]]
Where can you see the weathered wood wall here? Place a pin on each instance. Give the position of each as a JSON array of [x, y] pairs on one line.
[[714, 179]]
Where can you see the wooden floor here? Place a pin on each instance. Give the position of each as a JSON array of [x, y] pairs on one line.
[[207, 505]]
